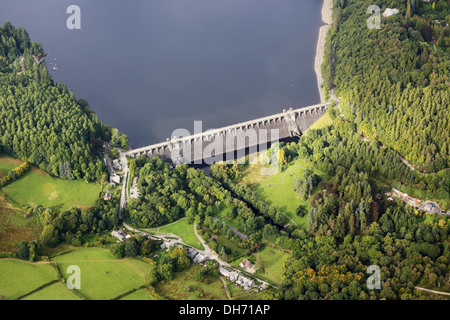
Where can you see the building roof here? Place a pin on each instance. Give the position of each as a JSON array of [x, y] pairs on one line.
[[119, 234], [389, 12], [191, 252], [199, 258], [246, 263], [246, 282]]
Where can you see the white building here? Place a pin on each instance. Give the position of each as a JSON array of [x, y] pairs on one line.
[[389, 12], [191, 252], [231, 275], [117, 165], [200, 259], [115, 178], [167, 244], [120, 235], [245, 282]]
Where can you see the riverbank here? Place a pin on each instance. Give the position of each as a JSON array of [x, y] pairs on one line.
[[320, 49]]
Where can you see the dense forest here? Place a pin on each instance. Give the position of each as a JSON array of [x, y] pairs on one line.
[[394, 81], [340, 146], [351, 225], [43, 122], [408, 254]]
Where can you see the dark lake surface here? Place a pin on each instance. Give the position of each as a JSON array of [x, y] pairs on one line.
[[148, 67]]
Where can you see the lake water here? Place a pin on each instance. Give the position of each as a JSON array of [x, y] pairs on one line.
[[148, 67]]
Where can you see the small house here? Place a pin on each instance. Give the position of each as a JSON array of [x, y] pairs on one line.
[[191, 253], [245, 282], [117, 165], [229, 274], [200, 258], [114, 178], [246, 264], [120, 234], [389, 12]]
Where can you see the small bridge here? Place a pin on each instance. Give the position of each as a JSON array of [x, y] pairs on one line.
[[217, 142]]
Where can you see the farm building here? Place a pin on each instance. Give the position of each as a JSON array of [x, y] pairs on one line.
[[120, 235]]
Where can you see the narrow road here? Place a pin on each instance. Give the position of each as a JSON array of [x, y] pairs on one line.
[[433, 291], [210, 254], [225, 287], [235, 231], [408, 164], [124, 194], [207, 251]]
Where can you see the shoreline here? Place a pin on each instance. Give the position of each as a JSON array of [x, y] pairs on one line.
[[320, 49]]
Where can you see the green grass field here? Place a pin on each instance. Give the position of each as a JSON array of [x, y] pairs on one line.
[[273, 261], [185, 287], [56, 291], [184, 230], [7, 164], [236, 252], [141, 294], [222, 211], [84, 254], [102, 276], [55, 193], [280, 194], [323, 122], [20, 277]]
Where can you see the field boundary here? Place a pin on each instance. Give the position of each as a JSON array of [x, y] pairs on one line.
[[120, 296], [45, 285]]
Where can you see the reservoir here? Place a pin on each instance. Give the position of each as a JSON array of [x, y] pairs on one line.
[[148, 67]]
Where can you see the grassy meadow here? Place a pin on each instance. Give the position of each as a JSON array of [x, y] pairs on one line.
[[272, 260], [19, 277], [270, 266], [7, 164], [278, 191], [102, 275], [38, 188], [56, 291], [183, 229], [323, 122], [142, 294]]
